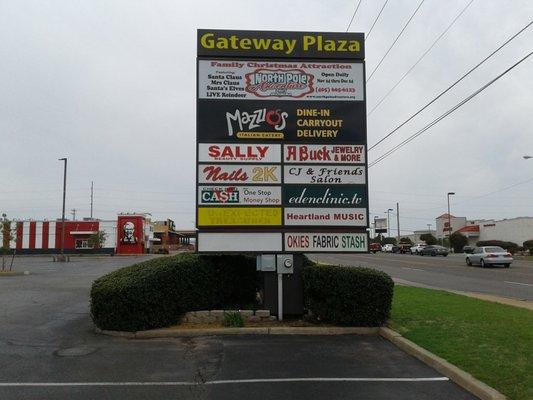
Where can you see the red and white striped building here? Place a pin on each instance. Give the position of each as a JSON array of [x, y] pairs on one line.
[[128, 234]]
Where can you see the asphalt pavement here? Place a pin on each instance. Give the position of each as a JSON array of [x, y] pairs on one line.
[[450, 272], [48, 350]]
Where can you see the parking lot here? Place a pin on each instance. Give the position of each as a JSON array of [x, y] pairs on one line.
[[49, 351]]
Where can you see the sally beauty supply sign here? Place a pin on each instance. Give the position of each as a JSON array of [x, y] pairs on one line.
[[281, 142]]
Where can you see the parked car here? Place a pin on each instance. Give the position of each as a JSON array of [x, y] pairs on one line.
[[434, 250], [404, 248], [468, 249], [417, 247], [388, 248], [375, 247], [395, 248], [489, 255]]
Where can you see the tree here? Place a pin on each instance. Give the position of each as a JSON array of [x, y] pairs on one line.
[[378, 239], [97, 240], [8, 236], [406, 240], [458, 241], [528, 244], [389, 240], [428, 238]]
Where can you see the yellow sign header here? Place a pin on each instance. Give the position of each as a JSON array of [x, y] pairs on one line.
[[281, 44]]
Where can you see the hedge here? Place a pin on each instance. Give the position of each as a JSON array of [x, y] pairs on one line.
[[509, 246], [528, 244], [155, 293], [348, 296]]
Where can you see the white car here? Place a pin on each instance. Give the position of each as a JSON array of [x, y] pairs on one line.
[[417, 248], [489, 255], [387, 248]]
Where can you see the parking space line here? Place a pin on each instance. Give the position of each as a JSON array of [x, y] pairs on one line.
[[518, 283], [414, 269], [220, 382]]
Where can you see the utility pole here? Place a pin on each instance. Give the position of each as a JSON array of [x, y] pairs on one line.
[[73, 212], [449, 220], [398, 219], [429, 228], [62, 258], [91, 199]]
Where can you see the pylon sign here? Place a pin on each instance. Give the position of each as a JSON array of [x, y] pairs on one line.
[[281, 142]]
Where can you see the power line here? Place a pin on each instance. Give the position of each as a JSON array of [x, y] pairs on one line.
[[498, 190], [395, 40], [353, 15], [441, 117], [451, 86], [421, 57], [376, 20]]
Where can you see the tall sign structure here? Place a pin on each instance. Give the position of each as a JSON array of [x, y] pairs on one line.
[[281, 142]]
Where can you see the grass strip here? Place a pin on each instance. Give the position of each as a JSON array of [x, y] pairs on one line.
[[493, 342]]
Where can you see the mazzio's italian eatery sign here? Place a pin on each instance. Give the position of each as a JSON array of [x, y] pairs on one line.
[[281, 142]]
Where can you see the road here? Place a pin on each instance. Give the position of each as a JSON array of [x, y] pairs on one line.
[[445, 272], [48, 350]]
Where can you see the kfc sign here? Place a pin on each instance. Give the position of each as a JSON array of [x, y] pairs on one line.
[[224, 152]]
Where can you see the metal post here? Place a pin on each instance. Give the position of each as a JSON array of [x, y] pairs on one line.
[[63, 213], [91, 199], [280, 297], [398, 219]]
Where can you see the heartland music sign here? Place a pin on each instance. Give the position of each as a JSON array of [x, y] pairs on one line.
[[281, 143]]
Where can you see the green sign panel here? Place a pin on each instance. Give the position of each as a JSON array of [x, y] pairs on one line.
[[325, 196]]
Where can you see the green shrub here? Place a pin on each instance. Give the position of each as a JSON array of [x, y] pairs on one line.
[[509, 246], [458, 241], [528, 244], [428, 238], [348, 296], [155, 293], [236, 276], [233, 319]]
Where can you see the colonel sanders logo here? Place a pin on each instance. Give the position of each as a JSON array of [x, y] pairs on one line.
[[128, 230]]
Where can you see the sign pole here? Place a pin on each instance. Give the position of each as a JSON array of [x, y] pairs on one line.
[[280, 296]]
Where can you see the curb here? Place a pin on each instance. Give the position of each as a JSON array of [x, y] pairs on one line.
[[462, 378], [14, 273], [177, 332]]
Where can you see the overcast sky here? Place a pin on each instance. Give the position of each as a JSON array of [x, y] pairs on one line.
[[111, 85]]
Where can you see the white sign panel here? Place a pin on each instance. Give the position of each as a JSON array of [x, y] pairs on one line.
[[326, 242], [227, 152], [255, 174], [245, 241], [380, 225], [322, 174], [286, 80], [239, 195], [324, 154], [325, 216]]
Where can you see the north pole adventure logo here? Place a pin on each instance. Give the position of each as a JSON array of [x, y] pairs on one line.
[[293, 83]]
